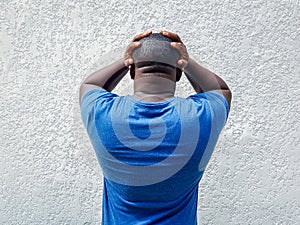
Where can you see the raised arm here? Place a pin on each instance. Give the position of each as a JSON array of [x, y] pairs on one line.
[[200, 78], [108, 77], [204, 80]]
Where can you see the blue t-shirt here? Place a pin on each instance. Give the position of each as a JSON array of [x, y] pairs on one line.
[[152, 154]]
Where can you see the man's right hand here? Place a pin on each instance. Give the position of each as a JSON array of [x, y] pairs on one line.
[[178, 44], [133, 45]]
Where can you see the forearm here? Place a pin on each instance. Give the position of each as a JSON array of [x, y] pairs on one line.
[[194, 84], [202, 79], [107, 77]]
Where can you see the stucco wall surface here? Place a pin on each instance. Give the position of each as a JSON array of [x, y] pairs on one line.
[[49, 172]]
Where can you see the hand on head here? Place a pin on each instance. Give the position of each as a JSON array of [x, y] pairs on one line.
[[177, 44], [133, 45]]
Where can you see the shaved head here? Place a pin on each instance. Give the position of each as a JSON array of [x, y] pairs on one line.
[[156, 48]]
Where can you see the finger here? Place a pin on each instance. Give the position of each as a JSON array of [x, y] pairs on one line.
[[131, 47], [172, 36], [140, 36], [128, 62], [184, 56], [182, 63], [180, 47], [128, 54], [134, 45]]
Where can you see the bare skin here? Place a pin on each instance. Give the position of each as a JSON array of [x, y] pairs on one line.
[[155, 83], [133, 45], [200, 78]]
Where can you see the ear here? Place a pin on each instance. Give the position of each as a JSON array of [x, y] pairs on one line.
[[178, 74], [132, 71]]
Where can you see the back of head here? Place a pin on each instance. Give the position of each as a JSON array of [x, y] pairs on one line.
[[156, 48]]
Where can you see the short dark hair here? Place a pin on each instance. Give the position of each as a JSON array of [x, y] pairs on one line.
[[156, 48]]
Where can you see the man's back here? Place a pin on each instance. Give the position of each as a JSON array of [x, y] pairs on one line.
[[152, 154]]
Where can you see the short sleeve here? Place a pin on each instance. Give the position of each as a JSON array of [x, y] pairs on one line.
[[89, 100], [218, 107]]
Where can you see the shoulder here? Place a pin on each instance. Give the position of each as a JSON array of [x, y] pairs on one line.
[[216, 105], [92, 100], [210, 96], [214, 100], [95, 94]]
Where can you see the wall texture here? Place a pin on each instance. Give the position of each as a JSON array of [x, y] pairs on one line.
[[49, 172]]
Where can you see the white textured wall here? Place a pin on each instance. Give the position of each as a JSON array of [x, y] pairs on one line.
[[49, 172]]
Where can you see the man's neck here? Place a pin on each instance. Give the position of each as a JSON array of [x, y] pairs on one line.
[[153, 89]]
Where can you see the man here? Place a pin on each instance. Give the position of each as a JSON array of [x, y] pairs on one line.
[[153, 147]]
